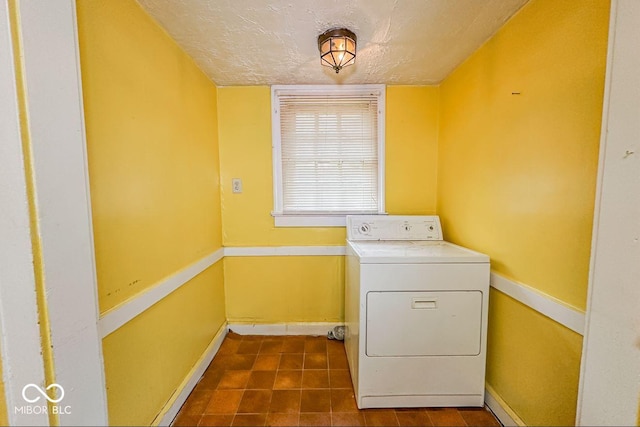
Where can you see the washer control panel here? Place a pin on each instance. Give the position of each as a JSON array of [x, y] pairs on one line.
[[394, 227]]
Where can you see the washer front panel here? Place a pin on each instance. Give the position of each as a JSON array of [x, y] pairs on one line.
[[424, 323]]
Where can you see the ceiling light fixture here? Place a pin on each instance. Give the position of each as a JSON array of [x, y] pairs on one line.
[[337, 48]]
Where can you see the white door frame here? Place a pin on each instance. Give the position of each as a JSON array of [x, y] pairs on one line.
[[53, 92], [54, 97], [609, 389], [20, 342]]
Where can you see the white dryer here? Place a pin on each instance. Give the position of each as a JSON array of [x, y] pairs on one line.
[[415, 314]]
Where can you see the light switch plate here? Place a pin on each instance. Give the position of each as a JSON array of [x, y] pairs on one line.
[[236, 185]]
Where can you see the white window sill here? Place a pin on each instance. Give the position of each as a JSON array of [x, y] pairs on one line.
[[310, 220], [288, 220]]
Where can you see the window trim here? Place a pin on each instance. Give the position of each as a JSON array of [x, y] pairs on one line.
[[320, 220]]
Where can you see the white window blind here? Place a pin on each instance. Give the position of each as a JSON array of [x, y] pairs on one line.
[[329, 152]]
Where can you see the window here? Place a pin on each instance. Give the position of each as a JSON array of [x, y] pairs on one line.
[[328, 153]]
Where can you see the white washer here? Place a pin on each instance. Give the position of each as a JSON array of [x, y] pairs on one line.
[[415, 314]]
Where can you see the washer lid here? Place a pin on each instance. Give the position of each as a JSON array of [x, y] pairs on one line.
[[414, 252]]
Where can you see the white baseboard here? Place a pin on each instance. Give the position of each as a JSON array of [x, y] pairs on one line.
[[500, 409], [170, 410], [300, 328]]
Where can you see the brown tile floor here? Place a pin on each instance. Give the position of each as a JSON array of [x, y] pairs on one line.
[[296, 380]]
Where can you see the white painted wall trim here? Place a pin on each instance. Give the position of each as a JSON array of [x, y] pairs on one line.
[[500, 409], [300, 328], [123, 313], [542, 303], [169, 412], [53, 90], [285, 251], [545, 304], [609, 389], [20, 341], [120, 315]]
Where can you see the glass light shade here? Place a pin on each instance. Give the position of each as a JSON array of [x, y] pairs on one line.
[[337, 48]]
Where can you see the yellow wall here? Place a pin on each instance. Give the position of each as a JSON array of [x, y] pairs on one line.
[[517, 179], [305, 288], [284, 289], [150, 356], [534, 362], [244, 117], [411, 149], [4, 420], [153, 166], [151, 130]]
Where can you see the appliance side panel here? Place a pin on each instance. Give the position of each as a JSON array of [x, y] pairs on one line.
[[352, 314]]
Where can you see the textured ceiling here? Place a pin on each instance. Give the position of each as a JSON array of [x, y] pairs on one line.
[[263, 42]]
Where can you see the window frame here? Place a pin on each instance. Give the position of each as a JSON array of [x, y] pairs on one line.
[[282, 219]]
